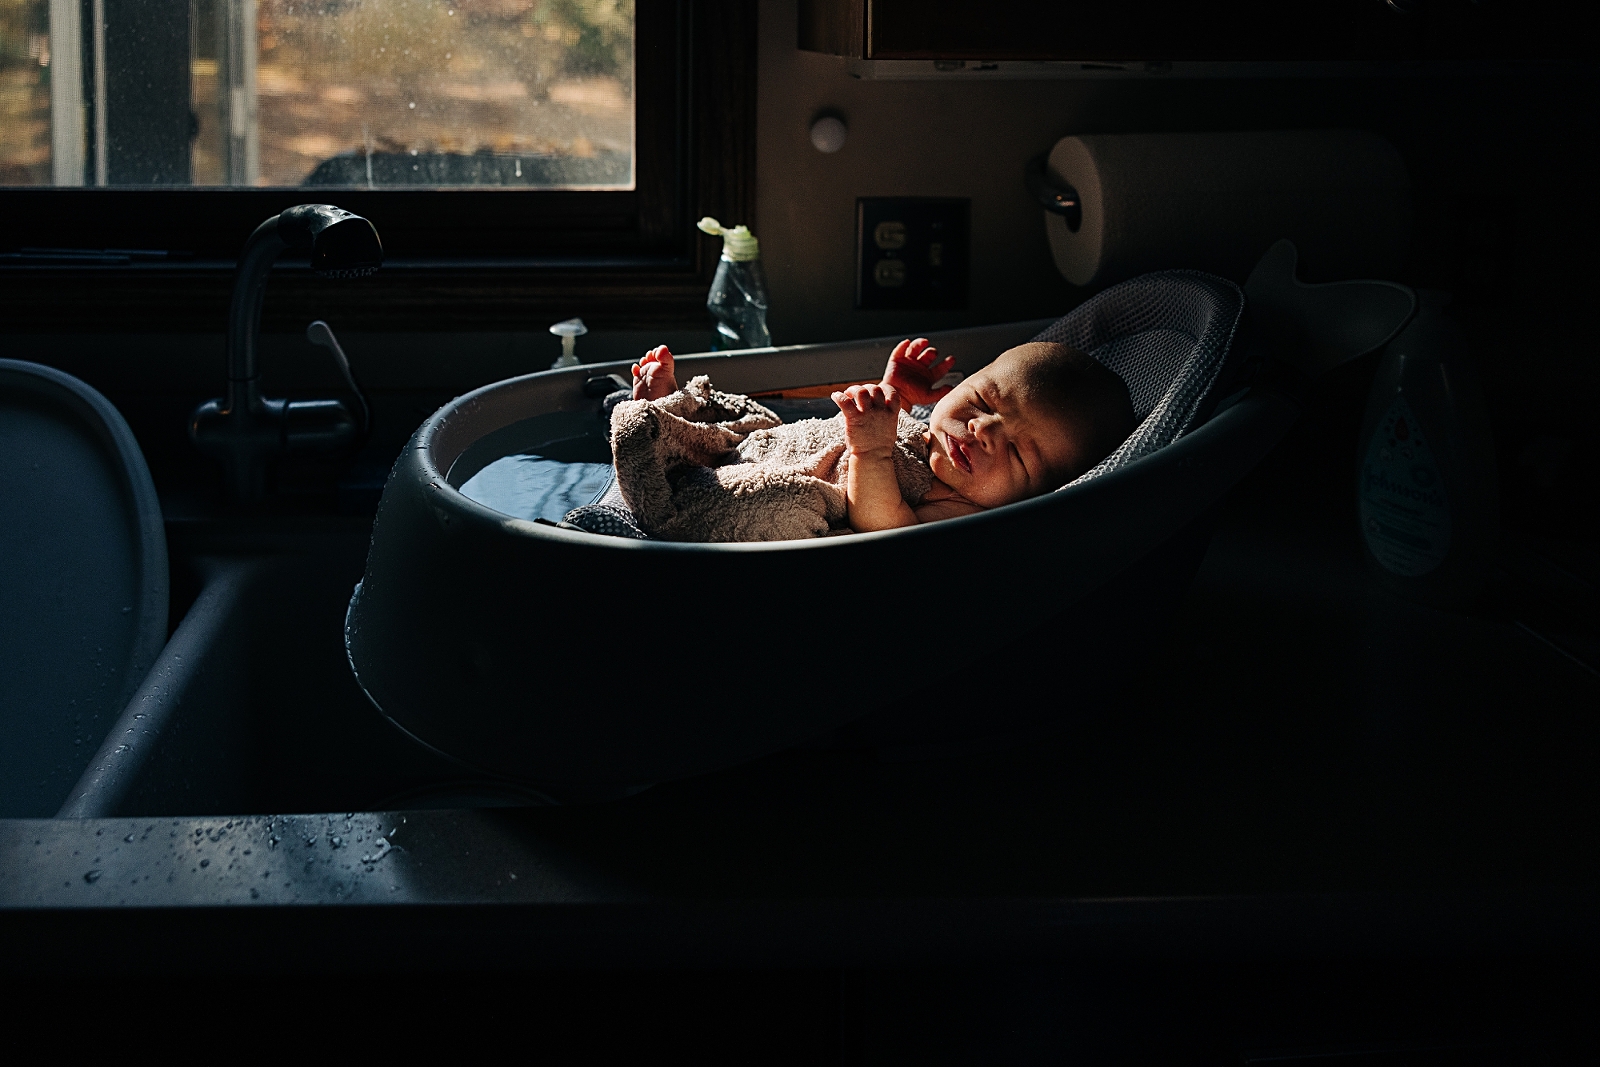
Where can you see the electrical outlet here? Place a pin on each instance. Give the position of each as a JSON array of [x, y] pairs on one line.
[[912, 252]]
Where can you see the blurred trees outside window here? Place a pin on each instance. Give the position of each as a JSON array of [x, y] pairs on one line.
[[24, 92], [366, 93]]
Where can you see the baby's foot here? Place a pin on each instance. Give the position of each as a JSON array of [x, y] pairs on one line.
[[652, 375]]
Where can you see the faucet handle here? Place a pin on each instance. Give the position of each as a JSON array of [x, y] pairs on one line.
[[320, 334]]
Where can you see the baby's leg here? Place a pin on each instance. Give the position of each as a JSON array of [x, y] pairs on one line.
[[653, 375]]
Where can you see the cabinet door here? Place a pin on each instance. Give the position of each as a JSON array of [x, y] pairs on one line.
[[1237, 30]]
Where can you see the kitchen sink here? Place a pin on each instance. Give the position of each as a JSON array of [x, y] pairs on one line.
[[252, 706]]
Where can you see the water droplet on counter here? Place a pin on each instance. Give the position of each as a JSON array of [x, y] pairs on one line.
[[205, 863], [336, 841], [129, 839], [91, 876]]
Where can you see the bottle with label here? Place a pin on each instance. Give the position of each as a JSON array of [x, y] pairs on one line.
[[1427, 489], [738, 298]]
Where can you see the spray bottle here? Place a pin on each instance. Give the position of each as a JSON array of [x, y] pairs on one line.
[[738, 298], [1427, 488]]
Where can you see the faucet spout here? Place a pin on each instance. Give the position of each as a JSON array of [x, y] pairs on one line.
[[249, 292], [244, 429]]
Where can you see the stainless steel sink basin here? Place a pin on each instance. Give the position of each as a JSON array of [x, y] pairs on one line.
[[252, 707]]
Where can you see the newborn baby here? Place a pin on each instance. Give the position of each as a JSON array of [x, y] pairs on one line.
[[1034, 419]]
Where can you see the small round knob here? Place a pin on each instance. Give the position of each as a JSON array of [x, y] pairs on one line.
[[828, 133]]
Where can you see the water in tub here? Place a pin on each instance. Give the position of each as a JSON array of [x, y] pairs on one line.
[[555, 462], [533, 487]]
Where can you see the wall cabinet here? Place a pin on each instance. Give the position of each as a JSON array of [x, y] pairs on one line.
[[1187, 30]]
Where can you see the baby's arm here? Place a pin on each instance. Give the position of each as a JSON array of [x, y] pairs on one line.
[[872, 492]]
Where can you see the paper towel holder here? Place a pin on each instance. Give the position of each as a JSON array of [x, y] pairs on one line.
[[1053, 194]]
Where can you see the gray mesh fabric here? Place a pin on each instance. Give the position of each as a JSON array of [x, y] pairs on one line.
[[605, 519], [1166, 335], [607, 514]]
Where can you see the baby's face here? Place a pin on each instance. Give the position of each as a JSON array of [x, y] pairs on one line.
[[994, 441]]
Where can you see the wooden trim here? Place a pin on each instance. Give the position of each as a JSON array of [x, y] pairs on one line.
[[492, 259], [836, 27], [1182, 30]]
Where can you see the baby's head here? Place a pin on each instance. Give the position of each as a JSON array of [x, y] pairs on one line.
[[1029, 422]]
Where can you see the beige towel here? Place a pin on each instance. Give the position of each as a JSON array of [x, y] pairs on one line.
[[700, 465]]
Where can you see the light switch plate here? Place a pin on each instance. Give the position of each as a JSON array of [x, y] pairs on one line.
[[912, 252]]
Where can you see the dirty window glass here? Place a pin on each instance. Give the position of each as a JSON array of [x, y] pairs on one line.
[[341, 93]]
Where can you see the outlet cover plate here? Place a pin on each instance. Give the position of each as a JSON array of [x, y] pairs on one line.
[[912, 252]]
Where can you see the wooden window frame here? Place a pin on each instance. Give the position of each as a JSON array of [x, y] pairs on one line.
[[481, 259]]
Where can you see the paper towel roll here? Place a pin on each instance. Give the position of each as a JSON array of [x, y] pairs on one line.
[[1217, 201]]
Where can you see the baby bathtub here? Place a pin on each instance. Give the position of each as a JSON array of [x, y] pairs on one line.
[[585, 664]]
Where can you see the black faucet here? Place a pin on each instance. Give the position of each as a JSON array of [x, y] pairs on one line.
[[245, 429]]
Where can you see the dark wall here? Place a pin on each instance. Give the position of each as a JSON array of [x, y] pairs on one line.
[[1499, 159]]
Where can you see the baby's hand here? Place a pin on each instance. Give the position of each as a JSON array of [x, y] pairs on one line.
[[652, 375], [871, 417], [913, 368]]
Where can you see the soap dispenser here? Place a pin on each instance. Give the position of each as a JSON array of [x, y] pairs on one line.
[[569, 330], [1427, 489]]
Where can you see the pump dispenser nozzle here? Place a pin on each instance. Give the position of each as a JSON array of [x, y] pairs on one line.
[[569, 330]]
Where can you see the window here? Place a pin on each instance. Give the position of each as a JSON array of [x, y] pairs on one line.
[[353, 93], [518, 157]]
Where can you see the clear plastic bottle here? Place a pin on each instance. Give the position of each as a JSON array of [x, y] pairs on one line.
[[738, 298]]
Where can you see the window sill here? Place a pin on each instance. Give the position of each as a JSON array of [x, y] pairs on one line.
[[608, 292]]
